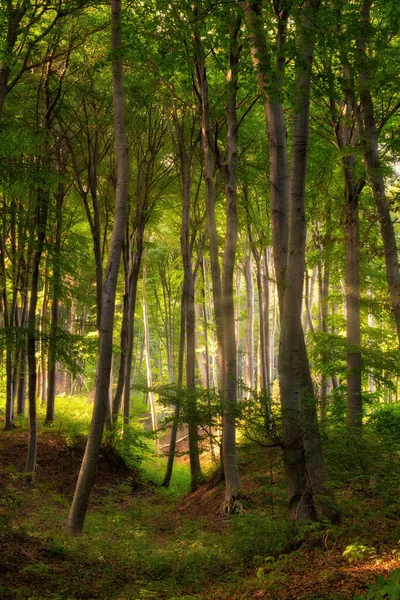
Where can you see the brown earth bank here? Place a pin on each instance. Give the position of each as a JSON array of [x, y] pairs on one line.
[[33, 564]]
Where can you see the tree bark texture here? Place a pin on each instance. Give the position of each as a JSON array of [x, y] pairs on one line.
[[249, 373], [56, 280], [81, 497], [373, 165], [304, 465], [223, 287]]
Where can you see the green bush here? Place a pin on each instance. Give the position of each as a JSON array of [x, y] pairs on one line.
[[384, 588], [259, 535]]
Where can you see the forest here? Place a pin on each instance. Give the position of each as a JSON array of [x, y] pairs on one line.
[[199, 299]]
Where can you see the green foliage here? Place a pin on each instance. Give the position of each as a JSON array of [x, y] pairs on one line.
[[72, 419], [129, 442], [355, 552], [363, 463], [257, 535], [384, 588], [197, 405], [259, 417]]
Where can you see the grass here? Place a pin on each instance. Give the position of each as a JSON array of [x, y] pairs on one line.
[[143, 541]]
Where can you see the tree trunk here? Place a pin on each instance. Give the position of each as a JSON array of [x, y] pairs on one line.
[[373, 165], [266, 300], [174, 429], [81, 497], [53, 342], [42, 383], [304, 466], [117, 401], [134, 272], [9, 412], [249, 373], [353, 300], [186, 251], [231, 470], [147, 354], [40, 229], [223, 290]]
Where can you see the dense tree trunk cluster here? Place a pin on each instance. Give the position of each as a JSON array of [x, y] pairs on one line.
[[243, 167]]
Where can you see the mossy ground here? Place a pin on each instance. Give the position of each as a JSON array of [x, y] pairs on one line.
[[142, 541]]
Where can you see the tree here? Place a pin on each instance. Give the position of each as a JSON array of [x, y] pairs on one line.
[[304, 465], [81, 497]]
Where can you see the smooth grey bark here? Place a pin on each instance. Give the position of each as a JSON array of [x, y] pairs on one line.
[[372, 162], [82, 492], [273, 331], [149, 372], [263, 375], [174, 429], [266, 301], [347, 136], [204, 370], [135, 261], [40, 234], [146, 155], [324, 312], [304, 465], [308, 302], [270, 82], [35, 252], [249, 372], [295, 381], [117, 400], [231, 471], [353, 298], [9, 408], [21, 395], [42, 371], [223, 286], [190, 321], [55, 309]]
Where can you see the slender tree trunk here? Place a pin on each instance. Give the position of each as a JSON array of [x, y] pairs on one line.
[[249, 374], [43, 333], [9, 413], [304, 466], [174, 429], [40, 228], [147, 354], [134, 271], [223, 289], [117, 401], [266, 300], [309, 301], [273, 330], [353, 301], [195, 468], [52, 356], [277, 139], [201, 354], [207, 359], [373, 164], [21, 398], [81, 497], [324, 309], [231, 471], [239, 361]]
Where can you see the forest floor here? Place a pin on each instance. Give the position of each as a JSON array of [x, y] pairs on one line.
[[142, 541]]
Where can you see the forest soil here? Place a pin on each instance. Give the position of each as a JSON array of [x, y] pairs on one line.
[[309, 566]]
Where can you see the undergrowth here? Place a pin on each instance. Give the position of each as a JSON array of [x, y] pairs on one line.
[[142, 541]]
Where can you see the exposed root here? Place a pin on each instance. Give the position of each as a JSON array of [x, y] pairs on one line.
[[231, 506]]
